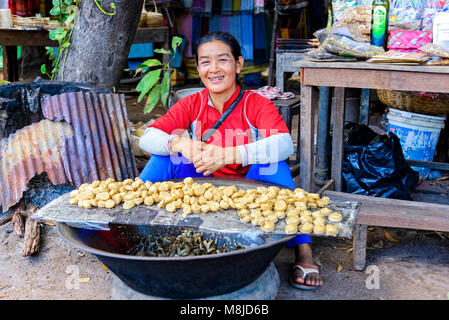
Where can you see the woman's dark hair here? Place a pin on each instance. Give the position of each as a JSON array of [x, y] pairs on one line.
[[221, 36]]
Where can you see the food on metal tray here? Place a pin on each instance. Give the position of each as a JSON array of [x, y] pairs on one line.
[[318, 228], [292, 220], [305, 219], [306, 227], [335, 217], [331, 230], [291, 228], [261, 206], [325, 211], [267, 226], [319, 221]]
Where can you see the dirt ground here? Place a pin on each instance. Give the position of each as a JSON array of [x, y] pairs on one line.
[[413, 267]]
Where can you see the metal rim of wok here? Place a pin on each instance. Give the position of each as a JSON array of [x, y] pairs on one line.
[[63, 229]]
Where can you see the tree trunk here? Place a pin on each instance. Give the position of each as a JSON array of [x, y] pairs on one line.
[[100, 43]]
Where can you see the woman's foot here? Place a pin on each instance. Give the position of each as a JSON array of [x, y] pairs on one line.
[[305, 263]]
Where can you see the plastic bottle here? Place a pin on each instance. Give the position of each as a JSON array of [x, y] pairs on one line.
[[379, 22]]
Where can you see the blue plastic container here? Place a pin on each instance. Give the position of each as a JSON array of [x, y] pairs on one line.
[[418, 134]]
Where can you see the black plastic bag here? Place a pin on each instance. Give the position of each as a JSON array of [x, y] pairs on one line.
[[374, 165]]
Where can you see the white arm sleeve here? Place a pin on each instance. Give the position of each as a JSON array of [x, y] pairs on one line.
[[156, 141], [268, 150]]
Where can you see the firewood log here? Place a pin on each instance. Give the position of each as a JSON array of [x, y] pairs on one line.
[[32, 234]]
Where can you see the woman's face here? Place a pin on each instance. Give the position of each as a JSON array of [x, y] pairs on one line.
[[217, 67]]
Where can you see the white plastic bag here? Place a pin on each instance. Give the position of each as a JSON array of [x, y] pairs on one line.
[[441, 29]]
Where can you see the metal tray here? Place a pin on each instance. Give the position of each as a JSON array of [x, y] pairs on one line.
[[60, 210]]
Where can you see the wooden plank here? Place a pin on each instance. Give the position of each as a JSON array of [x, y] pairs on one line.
[[11, 38], [428, 164], [338, 119], [39, 38], [306, 128], [148, 35], [33, 38], [397, 213], [305, 63], [376, 79]]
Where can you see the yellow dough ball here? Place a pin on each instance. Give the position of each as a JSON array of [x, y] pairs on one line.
[[318, 228], [267, 226], [306, 228], [291, 228], [331, 230], [292, 220], [335, 217]]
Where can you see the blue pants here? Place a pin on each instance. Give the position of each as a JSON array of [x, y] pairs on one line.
[[160, 168]]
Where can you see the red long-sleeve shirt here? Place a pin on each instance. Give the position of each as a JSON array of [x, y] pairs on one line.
[[254, 118]]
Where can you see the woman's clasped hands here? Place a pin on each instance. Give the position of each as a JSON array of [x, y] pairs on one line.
[[207, 158]]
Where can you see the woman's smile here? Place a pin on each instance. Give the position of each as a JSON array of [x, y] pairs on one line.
[[216, 79]]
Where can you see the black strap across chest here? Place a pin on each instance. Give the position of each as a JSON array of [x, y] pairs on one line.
[[225, 114]]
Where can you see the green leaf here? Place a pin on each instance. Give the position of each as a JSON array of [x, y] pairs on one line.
[[150, 63], [43, 69], [163, 51], [143, 69], [165, 89], [65, 44], [147, 82], [55, 3], [55, 11], [175, 42], [52, 34], [153, 98]]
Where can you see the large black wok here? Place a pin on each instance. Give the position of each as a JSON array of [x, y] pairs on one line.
[[178, 277]]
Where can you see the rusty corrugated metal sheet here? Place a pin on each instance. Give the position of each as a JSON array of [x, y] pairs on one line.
[[89, 139], [101, 146], [29, 151]]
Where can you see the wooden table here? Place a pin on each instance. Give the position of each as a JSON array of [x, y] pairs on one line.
[[341, 75], [11, 38]]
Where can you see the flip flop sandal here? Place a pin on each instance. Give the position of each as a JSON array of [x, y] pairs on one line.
[[306, 269]]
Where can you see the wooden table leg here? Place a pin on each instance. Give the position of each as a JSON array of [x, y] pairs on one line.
[[359, 246], [364, 106], [307, 130], [321, 172], [338, 122]]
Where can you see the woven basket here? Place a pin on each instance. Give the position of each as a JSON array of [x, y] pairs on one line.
[[413, 102], [152, 19]]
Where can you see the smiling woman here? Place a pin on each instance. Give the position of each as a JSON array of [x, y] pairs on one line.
[[249, 139]]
